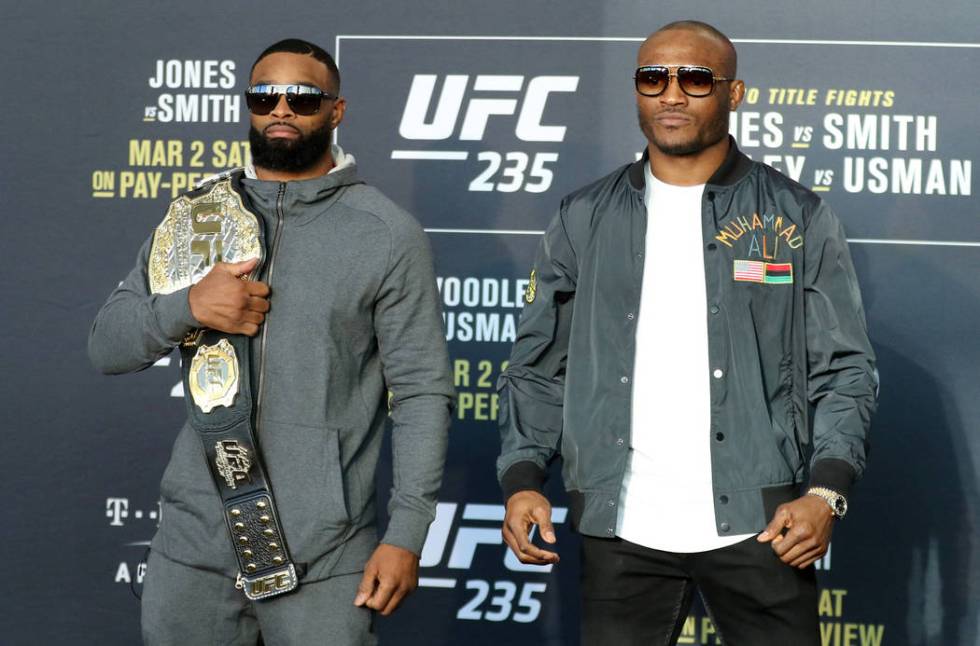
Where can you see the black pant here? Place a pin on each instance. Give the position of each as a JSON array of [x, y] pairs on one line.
[[633, 595]]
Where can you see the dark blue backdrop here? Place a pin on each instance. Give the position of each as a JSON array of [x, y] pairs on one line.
[[872, 104]]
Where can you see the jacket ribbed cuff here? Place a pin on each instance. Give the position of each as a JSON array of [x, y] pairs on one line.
[[407, 529], [174, 316], [522, 476], [833, 474]]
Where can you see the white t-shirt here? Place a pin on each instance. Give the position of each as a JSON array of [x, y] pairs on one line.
[[667, 501]]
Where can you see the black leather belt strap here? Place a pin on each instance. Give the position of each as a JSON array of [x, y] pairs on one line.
[[266, 568]]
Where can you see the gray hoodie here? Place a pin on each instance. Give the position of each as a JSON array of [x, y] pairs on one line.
[[354, 313]]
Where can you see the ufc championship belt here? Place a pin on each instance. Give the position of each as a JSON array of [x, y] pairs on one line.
[[212, 224]]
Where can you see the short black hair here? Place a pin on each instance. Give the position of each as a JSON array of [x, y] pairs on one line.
[[299, 46], [706, 30]]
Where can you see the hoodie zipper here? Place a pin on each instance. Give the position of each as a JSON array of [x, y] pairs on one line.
[[268, 280]]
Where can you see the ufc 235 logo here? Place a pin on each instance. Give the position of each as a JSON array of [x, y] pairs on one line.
[[512, 593], [465, 104]]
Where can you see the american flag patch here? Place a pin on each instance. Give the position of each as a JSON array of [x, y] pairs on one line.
[[751, 271], [756, 271]]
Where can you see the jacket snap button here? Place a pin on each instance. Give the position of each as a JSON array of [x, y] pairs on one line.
[[630, 316], [718, 373], [720, 437], [723, 500], [619, 441], [714, 309], [712, 246], [624, 379], [725, 527]]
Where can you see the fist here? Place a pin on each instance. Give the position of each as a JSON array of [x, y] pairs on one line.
[[799, 531], [391, 574], [223, 301]]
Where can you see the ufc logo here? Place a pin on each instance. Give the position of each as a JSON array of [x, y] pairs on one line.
[[469, 537], [271, 583], [206, 243], [500, 102]]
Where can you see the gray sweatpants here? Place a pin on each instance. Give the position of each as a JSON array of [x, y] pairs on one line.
[[189, 607]]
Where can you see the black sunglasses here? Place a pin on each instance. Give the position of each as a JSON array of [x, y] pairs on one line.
[[694, 80], [303, 100]]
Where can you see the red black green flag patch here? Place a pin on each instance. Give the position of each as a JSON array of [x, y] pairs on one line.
[[756, 271]]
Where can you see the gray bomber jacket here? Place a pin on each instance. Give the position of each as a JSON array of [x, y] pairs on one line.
[[793, 380], [354, 312]]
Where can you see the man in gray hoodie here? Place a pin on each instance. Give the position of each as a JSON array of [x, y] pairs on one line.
[[340, 309]]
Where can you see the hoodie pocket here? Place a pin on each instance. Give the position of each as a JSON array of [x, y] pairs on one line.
[[304, 468]]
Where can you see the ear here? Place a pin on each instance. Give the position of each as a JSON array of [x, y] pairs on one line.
[[736, 93], [337, 113]]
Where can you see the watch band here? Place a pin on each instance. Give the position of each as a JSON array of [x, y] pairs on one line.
[[836, 501]]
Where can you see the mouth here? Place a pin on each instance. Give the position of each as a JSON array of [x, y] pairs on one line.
[[281, 131], [672, 120]]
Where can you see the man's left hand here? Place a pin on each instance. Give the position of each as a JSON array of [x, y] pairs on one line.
[[808, 522], [391, 574]]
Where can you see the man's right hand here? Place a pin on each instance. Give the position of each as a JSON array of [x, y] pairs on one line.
[[223, 301], [524, 510]]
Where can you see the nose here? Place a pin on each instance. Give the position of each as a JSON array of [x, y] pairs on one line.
[[673, 94], [282, 109]]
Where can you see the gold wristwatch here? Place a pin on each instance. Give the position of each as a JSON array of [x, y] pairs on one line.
[[837, 502]]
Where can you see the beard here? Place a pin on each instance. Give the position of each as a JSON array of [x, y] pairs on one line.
[[294, 155], [711, 133]]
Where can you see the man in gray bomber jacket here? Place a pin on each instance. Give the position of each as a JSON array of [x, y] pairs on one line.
[[686, 315], [343, 308]]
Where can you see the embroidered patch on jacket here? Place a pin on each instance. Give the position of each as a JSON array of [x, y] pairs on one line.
[[779, 273], [756, 271], [532, 288]]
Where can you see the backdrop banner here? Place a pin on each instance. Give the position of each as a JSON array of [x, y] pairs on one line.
[[477, 120]]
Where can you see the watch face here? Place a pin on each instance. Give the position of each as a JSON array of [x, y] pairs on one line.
[[840, 506]]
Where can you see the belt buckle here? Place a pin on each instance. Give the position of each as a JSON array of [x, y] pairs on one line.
[[268, 584]]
